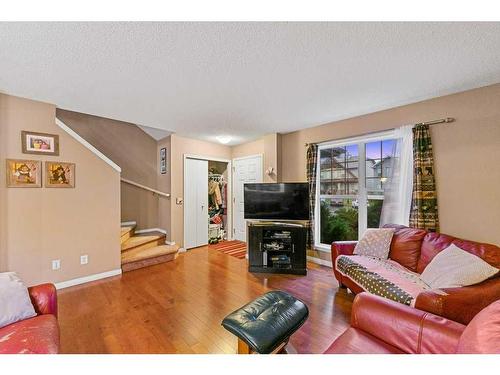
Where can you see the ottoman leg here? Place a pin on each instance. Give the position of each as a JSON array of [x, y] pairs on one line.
[[243, 347]]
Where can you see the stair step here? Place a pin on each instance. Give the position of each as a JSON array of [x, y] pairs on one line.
[[137, 258], [126, 233], [143, 241]]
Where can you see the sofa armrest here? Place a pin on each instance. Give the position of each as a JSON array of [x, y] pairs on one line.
[[460, 304], [44, 299], [404, 327], [342, 248]]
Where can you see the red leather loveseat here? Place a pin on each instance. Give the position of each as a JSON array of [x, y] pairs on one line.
[[381, 326], [414, 249], [39, 334]]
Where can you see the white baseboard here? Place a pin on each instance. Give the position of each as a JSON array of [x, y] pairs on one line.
[[149, 230], [319, 261], [86, 279], [128, 223]]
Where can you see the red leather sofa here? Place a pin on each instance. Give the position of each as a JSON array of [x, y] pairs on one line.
[[39, 334], [381, 326], [414, 249]]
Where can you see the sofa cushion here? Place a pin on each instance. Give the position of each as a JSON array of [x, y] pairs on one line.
[[454, 268], [434, 243], [375, 243], [355, 341], [35, 335], [405, 245], [482, 334], [15, 302]]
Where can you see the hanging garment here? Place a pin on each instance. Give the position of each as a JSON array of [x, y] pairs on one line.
[[214, 193]]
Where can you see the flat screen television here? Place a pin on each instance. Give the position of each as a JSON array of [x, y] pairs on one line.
[[287, 201]]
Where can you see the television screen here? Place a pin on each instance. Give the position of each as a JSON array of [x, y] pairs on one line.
[[288, 201]]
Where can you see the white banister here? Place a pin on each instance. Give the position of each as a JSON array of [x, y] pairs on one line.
[[167, 195]]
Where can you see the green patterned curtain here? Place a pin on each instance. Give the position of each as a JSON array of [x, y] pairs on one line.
[[311, 166], [424, 210]]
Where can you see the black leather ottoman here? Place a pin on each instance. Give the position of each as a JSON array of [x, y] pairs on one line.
[[265, 324]]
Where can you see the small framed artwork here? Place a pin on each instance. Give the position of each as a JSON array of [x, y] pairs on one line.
[[59, 175], [163, 160], [24, 173], [40, 143]]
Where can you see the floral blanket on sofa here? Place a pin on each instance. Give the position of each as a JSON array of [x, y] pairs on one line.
[[383, 277]]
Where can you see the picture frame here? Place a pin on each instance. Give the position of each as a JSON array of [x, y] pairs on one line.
[[23, 173], [59, 174], [163, 160], [39, 143]]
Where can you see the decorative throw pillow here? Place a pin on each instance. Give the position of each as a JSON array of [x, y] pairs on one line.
[[454, 267], [15, 303], [375, 243]]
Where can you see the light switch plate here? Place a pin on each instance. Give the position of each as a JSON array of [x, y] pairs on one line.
[[56, 264], [84, 259]]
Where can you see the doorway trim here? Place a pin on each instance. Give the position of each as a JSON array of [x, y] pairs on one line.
[[229, 229], [261, 155]]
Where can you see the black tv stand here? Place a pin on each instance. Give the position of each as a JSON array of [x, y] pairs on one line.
[[277, 247]]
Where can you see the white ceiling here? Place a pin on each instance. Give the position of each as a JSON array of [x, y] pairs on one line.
[[243, 79]]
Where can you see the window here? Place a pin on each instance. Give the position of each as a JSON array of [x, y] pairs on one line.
[[351, 176]]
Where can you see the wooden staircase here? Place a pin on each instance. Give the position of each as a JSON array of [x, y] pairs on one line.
[[143, 250]]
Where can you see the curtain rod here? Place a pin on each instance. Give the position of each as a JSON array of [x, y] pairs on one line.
[[433, 122]]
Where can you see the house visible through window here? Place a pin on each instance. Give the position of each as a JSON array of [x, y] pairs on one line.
[[351, 177]]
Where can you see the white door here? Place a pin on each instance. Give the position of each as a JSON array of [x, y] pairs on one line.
[[246, 170], [195, 203]]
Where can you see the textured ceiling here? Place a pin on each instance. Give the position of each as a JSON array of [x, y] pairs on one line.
[[243, 79]]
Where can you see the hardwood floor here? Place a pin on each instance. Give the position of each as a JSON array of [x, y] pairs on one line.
[[177, 307]]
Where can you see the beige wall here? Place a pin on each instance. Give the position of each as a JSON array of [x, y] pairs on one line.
[[269, 147], [136, 154], [467, 155], [181, 146], [164, 183], [38, 225]]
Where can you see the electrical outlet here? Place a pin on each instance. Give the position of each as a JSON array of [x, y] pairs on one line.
[[56, 264], [84, 259]]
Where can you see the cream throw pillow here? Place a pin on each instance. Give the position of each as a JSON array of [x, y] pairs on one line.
[[375, 243], [15, 303], [454, 267]]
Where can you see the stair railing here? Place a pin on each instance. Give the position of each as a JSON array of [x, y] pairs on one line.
[[154, 191]]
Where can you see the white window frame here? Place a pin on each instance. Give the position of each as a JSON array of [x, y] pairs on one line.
[[362, 196]]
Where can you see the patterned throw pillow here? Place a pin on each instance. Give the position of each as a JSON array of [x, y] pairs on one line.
[[454, 267], [375, 243]]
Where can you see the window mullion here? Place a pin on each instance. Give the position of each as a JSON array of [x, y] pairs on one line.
[[362, 198]]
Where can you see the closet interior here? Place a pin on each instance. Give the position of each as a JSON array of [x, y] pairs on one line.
[[217, 201]]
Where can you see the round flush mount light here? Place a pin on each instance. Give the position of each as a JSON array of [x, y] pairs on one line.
[[224, 139]]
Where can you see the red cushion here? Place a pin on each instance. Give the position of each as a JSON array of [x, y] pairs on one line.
[[405, 245], [482, 335], [39, 334], [355, 341]]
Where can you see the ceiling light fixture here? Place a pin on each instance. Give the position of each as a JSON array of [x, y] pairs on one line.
[[224, 139]]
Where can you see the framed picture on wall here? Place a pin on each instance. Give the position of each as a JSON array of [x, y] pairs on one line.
[[40, 143], [163, 160], [59, 175], [24, 173]]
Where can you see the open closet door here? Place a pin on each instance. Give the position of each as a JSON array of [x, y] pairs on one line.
[[195, 203]]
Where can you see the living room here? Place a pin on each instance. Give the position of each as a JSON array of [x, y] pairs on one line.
[[250, 188]]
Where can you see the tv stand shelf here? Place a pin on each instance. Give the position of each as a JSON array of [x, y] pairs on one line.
[[277, 248]]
